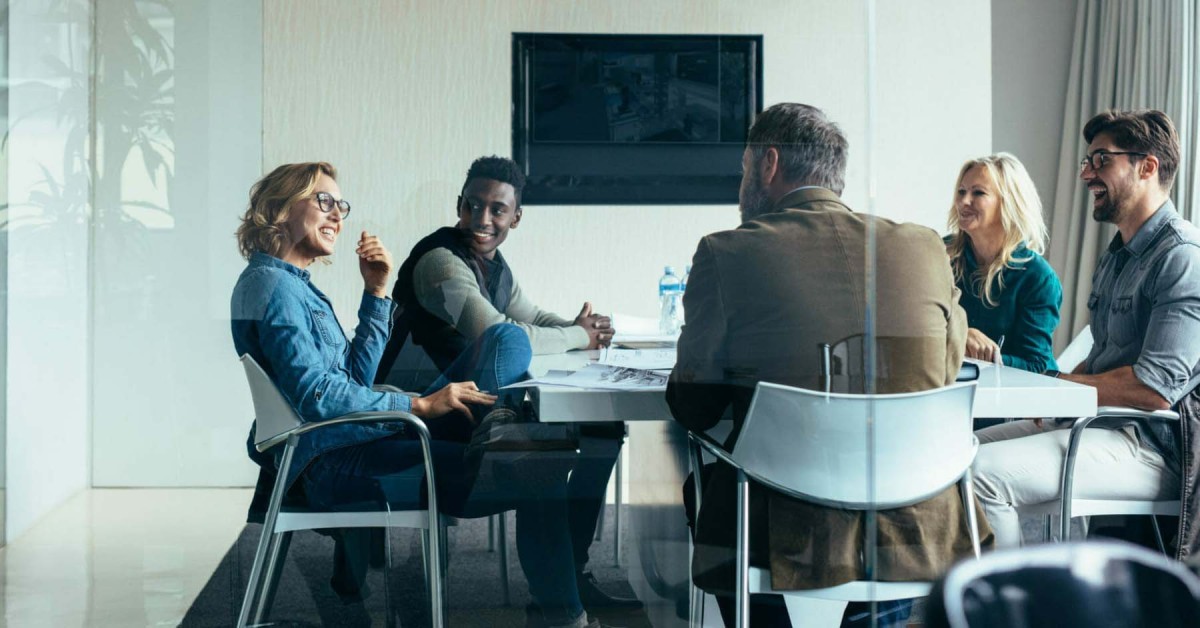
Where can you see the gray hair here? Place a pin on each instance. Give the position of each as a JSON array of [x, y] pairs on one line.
[[812, 149]]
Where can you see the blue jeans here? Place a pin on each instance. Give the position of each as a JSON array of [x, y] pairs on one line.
[[499, 357], [388, 469]]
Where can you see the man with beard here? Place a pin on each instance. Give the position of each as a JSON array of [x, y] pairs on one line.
[[1145, 317], [454, 285], [760, 300]]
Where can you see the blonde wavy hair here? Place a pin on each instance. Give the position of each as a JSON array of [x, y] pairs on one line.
[[1020, 217], [271, 199]]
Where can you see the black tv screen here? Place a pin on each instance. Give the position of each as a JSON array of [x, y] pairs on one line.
[[633, 119]]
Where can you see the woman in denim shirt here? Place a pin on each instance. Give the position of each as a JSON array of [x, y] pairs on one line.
[[289, 327], [1008, 290]]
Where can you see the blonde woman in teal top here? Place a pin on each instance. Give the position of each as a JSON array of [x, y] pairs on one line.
[[997, 236]]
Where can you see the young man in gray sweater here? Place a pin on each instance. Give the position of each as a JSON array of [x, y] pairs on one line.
[[455, 284]]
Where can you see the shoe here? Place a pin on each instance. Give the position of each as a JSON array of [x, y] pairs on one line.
[[592, 596], [535, 619]]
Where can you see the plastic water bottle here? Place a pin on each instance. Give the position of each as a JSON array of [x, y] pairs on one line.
[[687, 272], [670, 302]]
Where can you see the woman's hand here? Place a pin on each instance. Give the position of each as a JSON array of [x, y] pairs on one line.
[[980, 347], [375, 264], [454, 396]]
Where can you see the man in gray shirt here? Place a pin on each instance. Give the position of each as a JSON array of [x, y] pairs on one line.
[[1145, 318], [456, 284]]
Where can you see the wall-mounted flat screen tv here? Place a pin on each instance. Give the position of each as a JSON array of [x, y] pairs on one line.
[[633, 119]]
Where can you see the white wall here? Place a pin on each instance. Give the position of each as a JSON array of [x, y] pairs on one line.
[[401, 96], [1031, 58], [171, 407], [411, 92], [46, 336]]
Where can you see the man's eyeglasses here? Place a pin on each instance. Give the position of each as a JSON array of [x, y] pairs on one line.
[[325, 202], [1100, 158]]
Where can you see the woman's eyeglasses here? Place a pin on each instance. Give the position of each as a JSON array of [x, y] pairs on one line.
[[326, 203]]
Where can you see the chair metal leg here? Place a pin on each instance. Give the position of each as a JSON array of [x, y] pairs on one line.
[[620, 499], [742, 599], [696, 595], [268, 531], [425, 556], [1068, 476], [504, 588], [274, 569], [968, 494], [1158, 537], [492, 533], [444, 555]]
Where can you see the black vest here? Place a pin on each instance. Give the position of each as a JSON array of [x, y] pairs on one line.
[[439, 338]]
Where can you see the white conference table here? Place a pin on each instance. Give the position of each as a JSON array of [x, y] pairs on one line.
[[1001, 392], [657, 540]]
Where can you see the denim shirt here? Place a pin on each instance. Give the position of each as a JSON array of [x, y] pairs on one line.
[[288, 326], [1145, 311]]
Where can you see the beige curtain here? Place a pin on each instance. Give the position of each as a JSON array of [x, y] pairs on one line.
[[1127, 54]]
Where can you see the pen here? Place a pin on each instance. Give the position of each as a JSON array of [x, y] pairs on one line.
[[999, 347]]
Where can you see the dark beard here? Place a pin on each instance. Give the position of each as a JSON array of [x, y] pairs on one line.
[[756, 202], [1109, 209], [1106, 212]]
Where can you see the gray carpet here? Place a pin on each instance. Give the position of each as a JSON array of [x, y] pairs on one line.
[[398, 596]]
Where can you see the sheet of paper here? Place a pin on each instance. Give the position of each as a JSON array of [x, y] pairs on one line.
[[645, 359], [640, 330], [551, 378], [604, 377]]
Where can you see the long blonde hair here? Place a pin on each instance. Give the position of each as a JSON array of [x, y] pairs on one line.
[[271, 199], [1020, 217]]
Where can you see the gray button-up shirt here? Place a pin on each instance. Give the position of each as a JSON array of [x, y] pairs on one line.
[[1145, 311]]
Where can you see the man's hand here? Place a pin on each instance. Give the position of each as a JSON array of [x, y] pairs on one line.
[[454, 396], [599, 328], [980, 347], [375, 264]]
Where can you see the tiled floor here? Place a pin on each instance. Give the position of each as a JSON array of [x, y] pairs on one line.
[[119, 557]]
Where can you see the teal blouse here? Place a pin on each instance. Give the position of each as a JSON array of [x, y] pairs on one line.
[[1026, 310]]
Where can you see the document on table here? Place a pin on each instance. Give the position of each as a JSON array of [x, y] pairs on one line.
[[645, 359], [640, 332], [602, 377]]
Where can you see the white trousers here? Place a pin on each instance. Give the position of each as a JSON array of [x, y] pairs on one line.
[[1020, 464]]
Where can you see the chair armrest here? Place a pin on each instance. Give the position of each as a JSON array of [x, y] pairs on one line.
[[1106, 416], [713, 447], [1134, 413], [355, 417], [393, 389]]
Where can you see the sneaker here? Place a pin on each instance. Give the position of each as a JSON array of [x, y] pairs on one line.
[[593, 596], [535, 619]]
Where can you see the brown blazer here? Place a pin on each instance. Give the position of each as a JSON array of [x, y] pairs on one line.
[[760, 300]]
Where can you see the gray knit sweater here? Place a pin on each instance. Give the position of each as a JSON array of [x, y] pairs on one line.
[[446, 288]]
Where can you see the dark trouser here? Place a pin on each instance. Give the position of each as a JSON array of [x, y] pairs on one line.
[[385, 468], [769, 610], [599, 446]]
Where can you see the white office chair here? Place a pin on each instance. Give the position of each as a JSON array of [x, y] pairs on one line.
[[276, 422], [815, 446], [1071, 507], [1077, 350], [1068, 507]]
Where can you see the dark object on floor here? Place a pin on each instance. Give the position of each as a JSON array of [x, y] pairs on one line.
[[592, 595], [1072, 584]]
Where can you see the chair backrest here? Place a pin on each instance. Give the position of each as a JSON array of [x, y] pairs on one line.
[[273, 415], [1077, 351], [1069, 584], [858, 451]]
